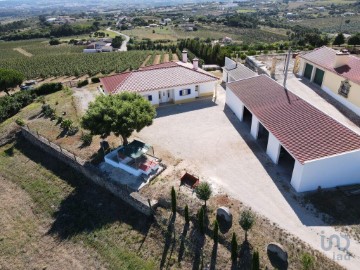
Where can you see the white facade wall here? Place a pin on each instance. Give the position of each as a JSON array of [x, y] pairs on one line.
[[234, 104], [273, 148], [207, 88], [327, 172], [177, 90], [254, 126], [155, 96]]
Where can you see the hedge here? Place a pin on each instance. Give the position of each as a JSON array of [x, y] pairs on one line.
[[11, 105]]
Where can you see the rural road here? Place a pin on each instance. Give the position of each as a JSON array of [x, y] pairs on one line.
[[123, 47]]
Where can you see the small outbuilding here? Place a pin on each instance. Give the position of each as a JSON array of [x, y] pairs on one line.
[[320, 151]]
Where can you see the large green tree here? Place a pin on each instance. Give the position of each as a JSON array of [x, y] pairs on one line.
[[9, 78], [354, 39], [121, 114], [339, 39]]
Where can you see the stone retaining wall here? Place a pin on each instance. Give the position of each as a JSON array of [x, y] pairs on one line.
[[91, 172]]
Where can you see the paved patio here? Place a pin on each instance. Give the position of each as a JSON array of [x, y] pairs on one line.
[[210, 137]]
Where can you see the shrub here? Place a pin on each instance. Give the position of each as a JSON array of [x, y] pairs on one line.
[[47, 110], [187, 218], [307, 261], [20, 122], [48, 88], [95, 80], [54, 42], [11, 105], [86, 138], [82, 83], [59, 120], [66, 124], [72, 130]]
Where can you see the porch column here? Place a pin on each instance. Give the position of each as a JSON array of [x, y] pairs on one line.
[[313, 73], [254, 127], [273, 148]]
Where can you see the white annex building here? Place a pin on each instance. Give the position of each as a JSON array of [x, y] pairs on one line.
[[323, 152], [175, 82]]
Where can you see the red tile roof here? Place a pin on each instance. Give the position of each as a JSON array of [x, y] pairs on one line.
[[155, 77], [325, 57], [303, 130]]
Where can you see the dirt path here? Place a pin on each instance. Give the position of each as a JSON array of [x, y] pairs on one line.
[[175, 57], [166, 58], [83, 96], [157, 59], [23, 52], [146, 60], [25, 243]]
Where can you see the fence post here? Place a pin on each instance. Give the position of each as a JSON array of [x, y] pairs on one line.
[[74, 157], [37, 132]]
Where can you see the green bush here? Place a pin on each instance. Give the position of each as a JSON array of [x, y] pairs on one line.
[[11, 105], [20, 122], [47, 110], [95, 80], [48, 88], [86, 138], [66, 124], [82, 83]]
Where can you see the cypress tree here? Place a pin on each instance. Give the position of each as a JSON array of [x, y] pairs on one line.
[[173, 200], [187, 218], [216, 232], [234, 247], [255, 261]]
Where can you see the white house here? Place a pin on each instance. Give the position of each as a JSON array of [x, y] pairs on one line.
[[99, 46], [336, 72], [174, 82], [319, 151]]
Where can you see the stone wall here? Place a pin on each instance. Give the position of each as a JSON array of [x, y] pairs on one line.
[[91, 172]]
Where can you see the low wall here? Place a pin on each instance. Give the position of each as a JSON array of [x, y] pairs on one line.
[[91, 172]]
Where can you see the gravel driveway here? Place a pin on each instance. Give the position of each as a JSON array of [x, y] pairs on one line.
[[210, 137]]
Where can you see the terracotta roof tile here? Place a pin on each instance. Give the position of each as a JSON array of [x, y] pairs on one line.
[[303, 130], [325, 57], [155, 77]]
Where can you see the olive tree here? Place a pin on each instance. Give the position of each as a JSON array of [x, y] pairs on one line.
[[203, 191], [121, 114], [246, 221], [9, 78]]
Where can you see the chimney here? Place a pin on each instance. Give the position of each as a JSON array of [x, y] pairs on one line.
[[184, 56], [195, 63], [341, 58]]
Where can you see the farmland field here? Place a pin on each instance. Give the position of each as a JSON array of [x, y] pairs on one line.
[[65, 60]]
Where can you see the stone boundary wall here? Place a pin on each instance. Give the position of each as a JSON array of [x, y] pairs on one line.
[[91, 172]]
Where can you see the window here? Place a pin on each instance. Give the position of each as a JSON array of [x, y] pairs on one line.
[[185, 92], [149, 97], [344, 88]]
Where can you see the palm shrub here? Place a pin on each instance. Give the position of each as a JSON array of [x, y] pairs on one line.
[[66, 124]]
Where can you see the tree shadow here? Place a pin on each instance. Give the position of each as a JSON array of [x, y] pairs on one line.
[[182, 243], [169, 240], [88, 207], [10, 151], [245, 255], [213, 257], [198, 240]]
